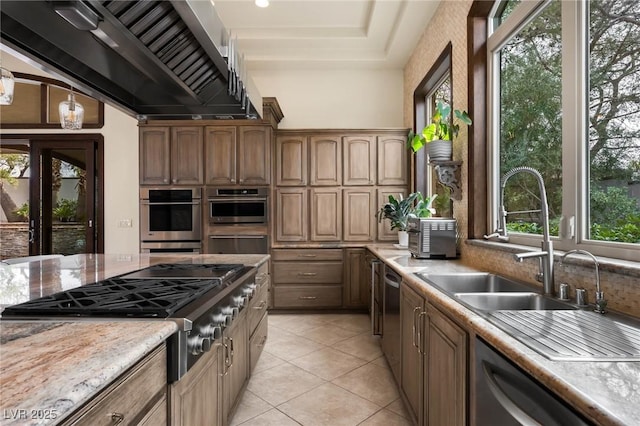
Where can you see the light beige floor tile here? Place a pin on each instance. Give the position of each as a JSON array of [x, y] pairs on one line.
[[328, 405], [271, 418], [297, 323], [355, 322], [371, 382], [381, 361], [363, 346], [277, 385], [386, 418], [249, 407], [267, 361], [328, 363], [291, 347], [398, 407], [328, 334]]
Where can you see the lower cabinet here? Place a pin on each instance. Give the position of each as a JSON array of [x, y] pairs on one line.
[[356, 279], [235, 363], [434, 362], [137, 397]]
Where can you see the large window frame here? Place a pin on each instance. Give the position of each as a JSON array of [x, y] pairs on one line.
[[575, 156]]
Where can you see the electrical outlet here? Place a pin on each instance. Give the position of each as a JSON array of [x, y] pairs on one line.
[[124, 223]]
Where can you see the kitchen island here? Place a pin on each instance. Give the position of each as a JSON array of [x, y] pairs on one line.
[[50, 368], [605, 392]]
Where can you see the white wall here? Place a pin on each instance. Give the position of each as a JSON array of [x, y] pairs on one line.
[[340, 99]]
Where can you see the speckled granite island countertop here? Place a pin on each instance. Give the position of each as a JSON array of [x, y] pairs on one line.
[[60, 365], [607, 393]]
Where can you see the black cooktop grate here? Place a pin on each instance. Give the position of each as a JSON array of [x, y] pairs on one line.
[[117, 297]]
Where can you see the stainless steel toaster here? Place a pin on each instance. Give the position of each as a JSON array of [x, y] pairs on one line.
[[432, 237]]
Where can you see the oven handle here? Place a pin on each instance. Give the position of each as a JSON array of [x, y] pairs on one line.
[[167, 203], [225, 199], [240, 237]]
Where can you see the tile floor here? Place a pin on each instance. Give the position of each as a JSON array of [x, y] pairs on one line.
[[321, 369]]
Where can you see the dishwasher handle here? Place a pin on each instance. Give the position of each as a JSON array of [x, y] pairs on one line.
[[512, 408], [392, 280]]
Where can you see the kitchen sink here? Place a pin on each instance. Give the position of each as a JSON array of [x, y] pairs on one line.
[[512, 301], [473, 283]]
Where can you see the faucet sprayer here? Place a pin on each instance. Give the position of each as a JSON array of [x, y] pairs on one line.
[[600, 302]]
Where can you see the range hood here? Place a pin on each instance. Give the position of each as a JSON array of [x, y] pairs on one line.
[[151, 59]]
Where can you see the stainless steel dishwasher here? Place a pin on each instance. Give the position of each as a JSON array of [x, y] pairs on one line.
[[391, 320], [506, 395]]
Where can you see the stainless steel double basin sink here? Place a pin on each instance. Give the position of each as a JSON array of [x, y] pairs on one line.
[[558, 330]]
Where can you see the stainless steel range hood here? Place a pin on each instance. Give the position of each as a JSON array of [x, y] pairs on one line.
[[150, 58]]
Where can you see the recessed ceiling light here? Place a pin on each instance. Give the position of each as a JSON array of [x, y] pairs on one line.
[[262, 3]]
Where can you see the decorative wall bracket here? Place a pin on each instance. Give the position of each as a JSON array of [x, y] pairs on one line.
[[448, 173]]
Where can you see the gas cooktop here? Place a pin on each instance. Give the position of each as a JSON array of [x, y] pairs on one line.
[[189, 271]]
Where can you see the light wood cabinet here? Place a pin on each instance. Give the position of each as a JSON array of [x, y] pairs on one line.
[[291, 214], [291, 160], [195, 398], [171, 156], [385, 233], [359, 160], [139, 394], [236, 361], [434, 362], [326, 214], [238, 155], [356, 279], [326, 161], [393, 156], [411, 368], [359, 221]]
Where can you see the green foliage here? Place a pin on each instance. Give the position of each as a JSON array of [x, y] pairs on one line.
[[399, 210], [65, 210], [423, 205], [441, 128], [23, 211], [612, 204]]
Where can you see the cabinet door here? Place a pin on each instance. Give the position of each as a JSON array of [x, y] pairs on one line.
[[325, 161], [195, 398], [359, 160], [291, 161], [393, 162], [220, 155], [445, 371], [291, 214], [359, 223], [254, 155], [411, 375], [356, 279], [186, 156], [155, 155], [384, 228], [237, 359], [326, 214]]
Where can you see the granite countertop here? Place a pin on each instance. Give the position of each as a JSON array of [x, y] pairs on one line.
[[605, 392], [50, 368]]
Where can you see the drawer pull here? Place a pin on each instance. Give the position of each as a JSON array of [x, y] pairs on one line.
[[307, 297], [307, 274], [262, 305], [117, 418], [307, 255]]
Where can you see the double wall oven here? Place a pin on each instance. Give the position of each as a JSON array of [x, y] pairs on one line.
[[170, 220], [238, 220]]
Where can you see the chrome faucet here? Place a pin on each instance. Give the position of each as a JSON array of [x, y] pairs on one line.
[[601, 302], [545, 256]]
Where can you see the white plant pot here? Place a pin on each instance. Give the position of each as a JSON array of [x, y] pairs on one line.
[[440, 150], [403, 238]]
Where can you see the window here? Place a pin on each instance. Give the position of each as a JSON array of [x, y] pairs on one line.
[[570, 108]]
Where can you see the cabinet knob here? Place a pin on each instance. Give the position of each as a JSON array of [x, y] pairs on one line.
[[233, 181], [175, 181], [165, 180], [117, 418]]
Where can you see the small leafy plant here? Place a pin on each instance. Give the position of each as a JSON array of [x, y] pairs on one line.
[[399, 210], [23, 211], [441, 128], [65, 210]]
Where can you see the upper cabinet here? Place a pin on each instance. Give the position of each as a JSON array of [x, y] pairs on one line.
[[359, 160], [291, 160], [326, 161], [167, 156], [393, 156], [238, 155]]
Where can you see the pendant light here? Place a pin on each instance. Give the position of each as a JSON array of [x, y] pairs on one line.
[[71, 113], [7, 83]]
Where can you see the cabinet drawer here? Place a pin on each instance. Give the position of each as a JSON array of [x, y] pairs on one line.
[[257, 342], [307, 297], [157, 415], [306, 255], [302, 272], [258, 306], [131, 396]]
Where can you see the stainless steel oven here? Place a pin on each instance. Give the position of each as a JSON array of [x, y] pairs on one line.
[[229, 206], [170, 214], [238, 244]]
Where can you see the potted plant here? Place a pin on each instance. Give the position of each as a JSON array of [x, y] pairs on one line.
[[399, 210], [65, 211], [439, 134]]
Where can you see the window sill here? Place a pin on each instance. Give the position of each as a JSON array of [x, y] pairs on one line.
[[617, 266]]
